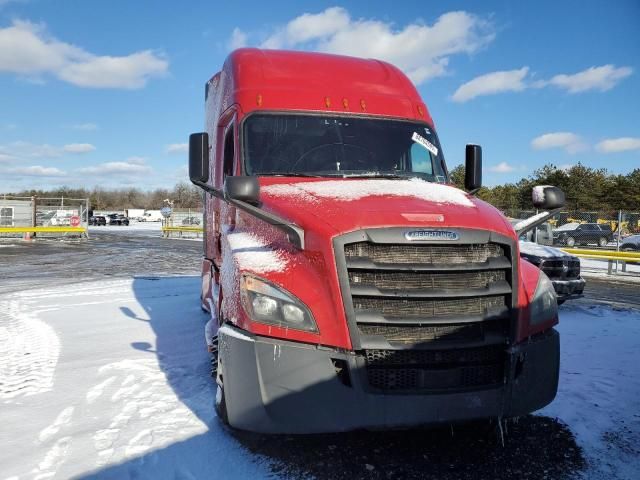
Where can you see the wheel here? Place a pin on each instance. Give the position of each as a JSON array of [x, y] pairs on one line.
[[602, 242], [221, 400], [570, 241]]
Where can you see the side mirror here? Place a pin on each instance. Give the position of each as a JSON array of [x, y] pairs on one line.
[[243, 188], [199, 157], [546, 197], [473, 167]]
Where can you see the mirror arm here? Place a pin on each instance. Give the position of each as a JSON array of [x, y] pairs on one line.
[[294, 233], [532, 222], [210, 190], [474, 191]]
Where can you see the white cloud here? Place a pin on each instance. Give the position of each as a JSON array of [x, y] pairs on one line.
[[79, 148], [36, 171], [595, 78], [177, 148], [238, 39], [491, 83], [623, 144], [421, 50], [31, 150], [502, 167], [26, 49], [132, 166], [568, 141], [4, 158], [85, 126]]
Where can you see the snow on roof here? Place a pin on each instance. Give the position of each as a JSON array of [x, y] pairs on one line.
[[349, 190], [252, 253]]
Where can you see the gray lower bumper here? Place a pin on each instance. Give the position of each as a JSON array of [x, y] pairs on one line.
[[273, 386]]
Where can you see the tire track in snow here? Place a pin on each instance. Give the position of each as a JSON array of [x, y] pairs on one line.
[[29, 351]]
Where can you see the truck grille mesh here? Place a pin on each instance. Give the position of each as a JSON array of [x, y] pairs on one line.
[[402, 308], [421, 281], [561, 269], [419, 370], [456, 300], [427, 254], [424, 333]]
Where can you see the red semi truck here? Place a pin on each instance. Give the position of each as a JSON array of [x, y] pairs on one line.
[[353, 286]]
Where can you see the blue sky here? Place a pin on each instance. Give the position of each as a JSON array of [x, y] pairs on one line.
[[106, 93]]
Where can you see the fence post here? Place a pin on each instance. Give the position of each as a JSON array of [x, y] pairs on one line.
[[34, 210], [618, 236]]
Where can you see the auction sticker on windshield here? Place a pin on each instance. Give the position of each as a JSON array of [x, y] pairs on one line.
[[416, 137]]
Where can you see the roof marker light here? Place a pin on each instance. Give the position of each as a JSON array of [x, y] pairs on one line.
[[327, 102], [363, 104], [420, 111], [345, 103], [259, 100]]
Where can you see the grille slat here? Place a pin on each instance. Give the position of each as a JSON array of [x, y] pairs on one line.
[[429, 254], [418, 281], [405, 308], [422, 333]]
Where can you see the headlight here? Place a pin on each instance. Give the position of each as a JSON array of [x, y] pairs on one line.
[[266, 303], [544, 306]]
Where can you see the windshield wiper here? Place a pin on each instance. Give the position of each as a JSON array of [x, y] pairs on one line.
[[379, 175], [288, 174]]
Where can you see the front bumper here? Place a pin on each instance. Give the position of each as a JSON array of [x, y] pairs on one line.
[[275, 386], [566, 289]]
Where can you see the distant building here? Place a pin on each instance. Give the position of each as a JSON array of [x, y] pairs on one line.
[[15, 213]]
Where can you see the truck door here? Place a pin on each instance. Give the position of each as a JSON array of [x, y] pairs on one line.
[[224, 214]]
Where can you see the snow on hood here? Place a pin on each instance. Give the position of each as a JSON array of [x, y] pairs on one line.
[[252, 253], [531, 248], [355, 189]]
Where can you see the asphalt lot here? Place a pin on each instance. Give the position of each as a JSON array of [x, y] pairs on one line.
[[534, 447], [114, 252]]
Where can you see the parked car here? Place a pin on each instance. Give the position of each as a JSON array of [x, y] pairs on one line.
[[630, 243], [98, 220], [118, 219], [191, 221], [562, 268], [582, 234]]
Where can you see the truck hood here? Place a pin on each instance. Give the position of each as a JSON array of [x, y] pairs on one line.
[[344, 205]]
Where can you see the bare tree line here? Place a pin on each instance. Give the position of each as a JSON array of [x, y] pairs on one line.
[[183, 195]]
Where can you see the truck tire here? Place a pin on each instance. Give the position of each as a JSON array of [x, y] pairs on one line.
[[221, 399], [570, 241], [602, 242]]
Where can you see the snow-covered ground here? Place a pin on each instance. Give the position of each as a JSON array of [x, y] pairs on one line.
[[109, 379]]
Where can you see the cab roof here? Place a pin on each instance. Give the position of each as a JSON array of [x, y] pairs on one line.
[[293, 80]]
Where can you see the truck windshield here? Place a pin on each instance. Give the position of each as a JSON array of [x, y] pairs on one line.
[[316, 145]]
